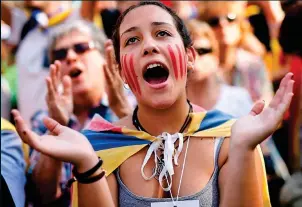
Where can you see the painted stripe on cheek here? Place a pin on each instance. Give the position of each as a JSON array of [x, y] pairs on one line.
[[180, 62], [173, 59], [128, 74], [124, 69], [135, 81], [184, 62]]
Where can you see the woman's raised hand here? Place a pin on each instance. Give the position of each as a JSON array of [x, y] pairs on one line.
[[63, 143], [251, 130]]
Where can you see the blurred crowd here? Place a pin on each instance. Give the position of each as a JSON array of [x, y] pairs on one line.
[[58, 60]]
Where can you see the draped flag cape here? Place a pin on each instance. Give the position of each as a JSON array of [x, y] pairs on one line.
[[116, 144]]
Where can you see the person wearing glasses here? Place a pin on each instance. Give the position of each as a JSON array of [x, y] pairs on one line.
[[240, 67], [204, 86], [83, 81], [32, 24], [206, 89]]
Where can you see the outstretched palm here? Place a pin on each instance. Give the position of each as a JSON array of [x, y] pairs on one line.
[[64, 144], [251, 130]]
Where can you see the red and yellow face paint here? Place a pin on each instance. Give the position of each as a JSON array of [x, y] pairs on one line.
[[178, 61], [129, 72]]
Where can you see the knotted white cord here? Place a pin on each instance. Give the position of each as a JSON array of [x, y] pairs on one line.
[[165, 142]]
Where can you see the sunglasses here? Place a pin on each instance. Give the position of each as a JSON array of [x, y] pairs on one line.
[[203, 51], [214, 21], [80, 48]]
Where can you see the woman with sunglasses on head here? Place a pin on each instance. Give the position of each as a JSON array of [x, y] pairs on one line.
[[204, 86], [155, 53], [239, 66]]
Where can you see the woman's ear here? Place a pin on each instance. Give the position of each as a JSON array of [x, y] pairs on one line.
[[191, 54]]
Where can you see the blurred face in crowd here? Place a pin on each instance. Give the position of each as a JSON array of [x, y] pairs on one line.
[[153, 57], [82, 62], [206, 63], [224, 20], [205, 45]]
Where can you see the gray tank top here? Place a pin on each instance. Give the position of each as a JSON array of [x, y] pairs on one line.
[[208, 196]]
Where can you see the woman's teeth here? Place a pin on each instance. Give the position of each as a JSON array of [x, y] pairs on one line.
[[156, 74], [154, 65]]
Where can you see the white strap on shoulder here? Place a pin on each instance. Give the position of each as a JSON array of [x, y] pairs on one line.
[[216, 144]]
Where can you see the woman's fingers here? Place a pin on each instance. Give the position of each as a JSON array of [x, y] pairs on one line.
[[108, 75], [51, 93], [281, 91], [56, 146], [108, 43], [257, 108], [109, 79], [109, 54], [289, 87], [24, 132], [53, 76], [19, 124], [286, 99], [109, 57], [58, 71], [53, 126], [67, 89]]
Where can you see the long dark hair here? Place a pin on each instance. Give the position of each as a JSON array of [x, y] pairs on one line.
[[181, 28]]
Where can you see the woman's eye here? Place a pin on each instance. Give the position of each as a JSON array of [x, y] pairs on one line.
[[163, 33], [131, 40]]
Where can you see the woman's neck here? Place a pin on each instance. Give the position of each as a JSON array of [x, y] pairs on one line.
[[157, 121], [204, 93]]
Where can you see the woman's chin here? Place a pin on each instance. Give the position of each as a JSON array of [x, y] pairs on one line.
[[160, 102]]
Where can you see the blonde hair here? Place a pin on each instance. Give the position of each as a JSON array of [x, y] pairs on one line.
[[248, 40], [200, 29], [206, 9]]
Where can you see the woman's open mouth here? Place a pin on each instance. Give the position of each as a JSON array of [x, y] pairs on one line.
[[156, 74]]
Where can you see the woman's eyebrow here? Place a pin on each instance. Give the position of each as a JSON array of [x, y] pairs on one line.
[[131, 29], [160, 23]]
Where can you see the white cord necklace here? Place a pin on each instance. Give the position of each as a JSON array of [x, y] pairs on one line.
[[165, 142], [181, 175]]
